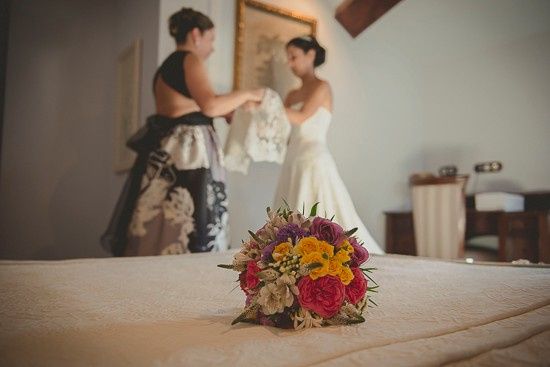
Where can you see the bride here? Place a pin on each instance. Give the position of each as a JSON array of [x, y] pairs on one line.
[[309, 173]]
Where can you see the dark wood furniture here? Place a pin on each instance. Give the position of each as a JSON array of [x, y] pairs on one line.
[[400, 233], [522, 235], [356, 15]]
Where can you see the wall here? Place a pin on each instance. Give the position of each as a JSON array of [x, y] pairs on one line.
[[57, 187], [485, 94]]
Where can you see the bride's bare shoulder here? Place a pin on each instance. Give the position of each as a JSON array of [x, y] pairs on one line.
[[323, 85]]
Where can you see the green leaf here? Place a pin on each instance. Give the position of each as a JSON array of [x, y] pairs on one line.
[[358, 320], [286, 204], [374, 303], [372, 280], [350, 232], [314, 266], [248, 315], [372, 289], [237, 286], [224, 266], [256, 238], [345, 320], [332, 218], [368, 270], [313, 211]]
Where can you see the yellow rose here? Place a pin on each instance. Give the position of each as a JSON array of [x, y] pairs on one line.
[[346, 275], [281, 250], [307, 245], [326, 248], [316, 257], [346, 246], [334, 267], [342, 256]]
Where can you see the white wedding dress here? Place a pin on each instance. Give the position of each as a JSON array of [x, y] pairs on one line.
[[309, 175]]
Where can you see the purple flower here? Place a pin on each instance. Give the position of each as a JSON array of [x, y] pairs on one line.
[[267, 251], [326, 230], [264, 320], [292, 231], [360, 254]]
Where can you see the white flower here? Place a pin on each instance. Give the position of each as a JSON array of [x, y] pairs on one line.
[[303, 319], [277, 222], [299, 219], [270, 299], [286, 290], [268, 274], [290, 282], [266, 234], [274, 297], [240, 260]]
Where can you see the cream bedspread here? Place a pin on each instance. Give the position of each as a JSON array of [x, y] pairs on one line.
[[176, 311]]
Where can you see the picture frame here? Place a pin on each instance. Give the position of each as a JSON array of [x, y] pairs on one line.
[[127, 116], [262, 31]]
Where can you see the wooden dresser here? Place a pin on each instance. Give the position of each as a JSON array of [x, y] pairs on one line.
[[522, 235]]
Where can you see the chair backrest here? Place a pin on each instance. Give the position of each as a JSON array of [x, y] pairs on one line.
[[439, 214]]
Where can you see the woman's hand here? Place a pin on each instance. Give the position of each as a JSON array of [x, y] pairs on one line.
[[256, 95], [229, 117], [250, 106]]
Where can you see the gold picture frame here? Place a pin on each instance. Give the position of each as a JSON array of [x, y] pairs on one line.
[[127, 104], [262, 31]]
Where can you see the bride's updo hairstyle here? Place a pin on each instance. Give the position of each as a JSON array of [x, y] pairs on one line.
[[306, 43]]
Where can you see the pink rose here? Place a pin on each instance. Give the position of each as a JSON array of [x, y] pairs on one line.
[[252, 279], [324, 295], [326, 230], [355, 291], [242, 282], [360, 254]]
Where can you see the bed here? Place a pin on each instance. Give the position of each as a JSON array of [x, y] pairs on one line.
[[176, 311]]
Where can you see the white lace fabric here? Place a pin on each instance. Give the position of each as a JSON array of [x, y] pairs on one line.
[[259, 135]]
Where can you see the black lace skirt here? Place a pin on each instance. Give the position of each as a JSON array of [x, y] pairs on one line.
[[174, 200]]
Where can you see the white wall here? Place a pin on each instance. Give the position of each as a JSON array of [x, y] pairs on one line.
[[140, 19], [57, 186], [486, 97]]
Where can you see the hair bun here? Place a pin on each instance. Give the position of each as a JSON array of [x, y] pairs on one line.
[[319, 55], [183, 21]]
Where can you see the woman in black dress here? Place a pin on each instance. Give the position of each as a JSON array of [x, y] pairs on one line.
[[174, 200]]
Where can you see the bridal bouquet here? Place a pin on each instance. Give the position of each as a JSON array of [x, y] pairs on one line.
[[301, 272]]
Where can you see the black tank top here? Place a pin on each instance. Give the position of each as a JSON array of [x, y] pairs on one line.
[[172, 73]]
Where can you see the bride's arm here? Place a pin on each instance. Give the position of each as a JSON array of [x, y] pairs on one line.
[[201, 91], [311, 104]]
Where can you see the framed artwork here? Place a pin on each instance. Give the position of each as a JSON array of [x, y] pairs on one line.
[[127, 104], [260, 38]]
